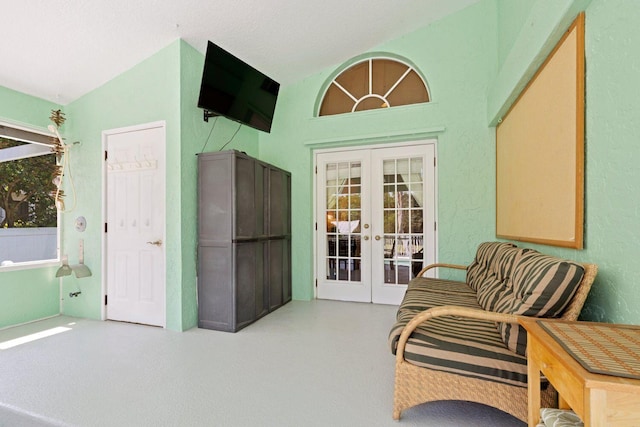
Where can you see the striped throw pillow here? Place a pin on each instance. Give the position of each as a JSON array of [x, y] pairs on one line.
[[482, 265], [505, 260], [542, 287], [496, 290], [490, 291]]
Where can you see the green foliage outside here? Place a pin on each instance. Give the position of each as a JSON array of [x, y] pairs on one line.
[[27, 190]]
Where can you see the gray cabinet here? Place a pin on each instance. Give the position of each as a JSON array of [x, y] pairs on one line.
[[244, 239]]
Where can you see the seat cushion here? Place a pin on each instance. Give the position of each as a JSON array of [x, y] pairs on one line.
[[425, 292], [455, 344]]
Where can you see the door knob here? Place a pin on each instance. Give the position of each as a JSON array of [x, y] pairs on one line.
[[366, 226], [156, 243], [377, 237], [366, 237]]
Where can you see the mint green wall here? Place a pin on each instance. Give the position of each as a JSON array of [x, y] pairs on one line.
[[27, 295], [613, 177], [458, 56], [539, 32], [163, 87], [148, 92], [194, 132], [511, 16], [475, 62], [19, 108], [612, 217], [471, 74]]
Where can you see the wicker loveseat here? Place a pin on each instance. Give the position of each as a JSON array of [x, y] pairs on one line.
[[461, 340]]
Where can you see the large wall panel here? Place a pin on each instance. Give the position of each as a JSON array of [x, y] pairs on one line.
[[540, 152]]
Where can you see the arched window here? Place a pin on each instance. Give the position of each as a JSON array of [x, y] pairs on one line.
[[373, 83]]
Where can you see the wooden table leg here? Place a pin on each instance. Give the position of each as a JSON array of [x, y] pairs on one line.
[[562, 404], [533, 384]]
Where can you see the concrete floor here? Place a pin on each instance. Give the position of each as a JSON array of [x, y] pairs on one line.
[[319, 363]]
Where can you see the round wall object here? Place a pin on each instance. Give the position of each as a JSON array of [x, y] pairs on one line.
[[81, 224]]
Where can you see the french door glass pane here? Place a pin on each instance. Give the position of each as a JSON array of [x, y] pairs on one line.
[[343, 213], [403, 212]]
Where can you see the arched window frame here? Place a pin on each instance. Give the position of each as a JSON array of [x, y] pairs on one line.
[[332, 80]]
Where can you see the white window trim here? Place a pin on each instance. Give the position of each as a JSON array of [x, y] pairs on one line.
[[28, 265]]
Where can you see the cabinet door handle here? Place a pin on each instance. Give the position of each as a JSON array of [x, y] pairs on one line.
[[155, 243]]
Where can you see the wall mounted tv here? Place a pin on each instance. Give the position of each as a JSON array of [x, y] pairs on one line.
[[234, 89]]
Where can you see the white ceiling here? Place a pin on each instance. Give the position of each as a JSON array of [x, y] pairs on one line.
[[61, 49]]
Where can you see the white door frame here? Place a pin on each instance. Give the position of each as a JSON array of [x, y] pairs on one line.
[[430, 140], [105, 135]]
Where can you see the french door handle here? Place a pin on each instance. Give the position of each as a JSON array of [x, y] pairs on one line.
[[155, 243]]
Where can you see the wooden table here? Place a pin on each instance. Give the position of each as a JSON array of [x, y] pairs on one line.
[[599, 400]]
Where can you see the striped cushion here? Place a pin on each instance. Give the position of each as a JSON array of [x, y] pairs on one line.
[[542, 287], [483, 264], [424, 293], [496, 285], [464, 346], [443, 286], [505, 259], [492, 291]]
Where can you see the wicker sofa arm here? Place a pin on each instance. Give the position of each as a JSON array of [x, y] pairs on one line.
[[448, 310], [572, 311], [430, 266]]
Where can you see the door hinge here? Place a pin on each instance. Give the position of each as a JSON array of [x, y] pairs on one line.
[[316, 170], [105, 300], [435, 226], [105, 227], [434, 162], [316, 226], [105, 155], [316, 283]]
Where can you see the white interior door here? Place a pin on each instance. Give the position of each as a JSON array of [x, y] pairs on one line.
[[375, 221], [135, 224]]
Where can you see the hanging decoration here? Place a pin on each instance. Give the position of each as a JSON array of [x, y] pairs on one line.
[[62, 160]]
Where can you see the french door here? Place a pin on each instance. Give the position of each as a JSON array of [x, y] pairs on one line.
[[375, 221]]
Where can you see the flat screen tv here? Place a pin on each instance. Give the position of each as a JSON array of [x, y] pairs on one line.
[[234, 89]]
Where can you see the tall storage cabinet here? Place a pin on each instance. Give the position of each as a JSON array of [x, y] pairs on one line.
[[244, 239]]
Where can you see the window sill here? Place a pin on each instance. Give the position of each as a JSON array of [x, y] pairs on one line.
[[30, 265]]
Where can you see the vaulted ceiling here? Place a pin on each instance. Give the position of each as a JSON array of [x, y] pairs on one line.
[[59, 50]]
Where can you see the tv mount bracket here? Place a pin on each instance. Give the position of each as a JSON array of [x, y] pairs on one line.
[[208, 114]]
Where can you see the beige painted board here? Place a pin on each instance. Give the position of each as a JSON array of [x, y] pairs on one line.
[[540, 153]]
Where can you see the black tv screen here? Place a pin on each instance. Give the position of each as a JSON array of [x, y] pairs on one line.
[[234, 89]]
